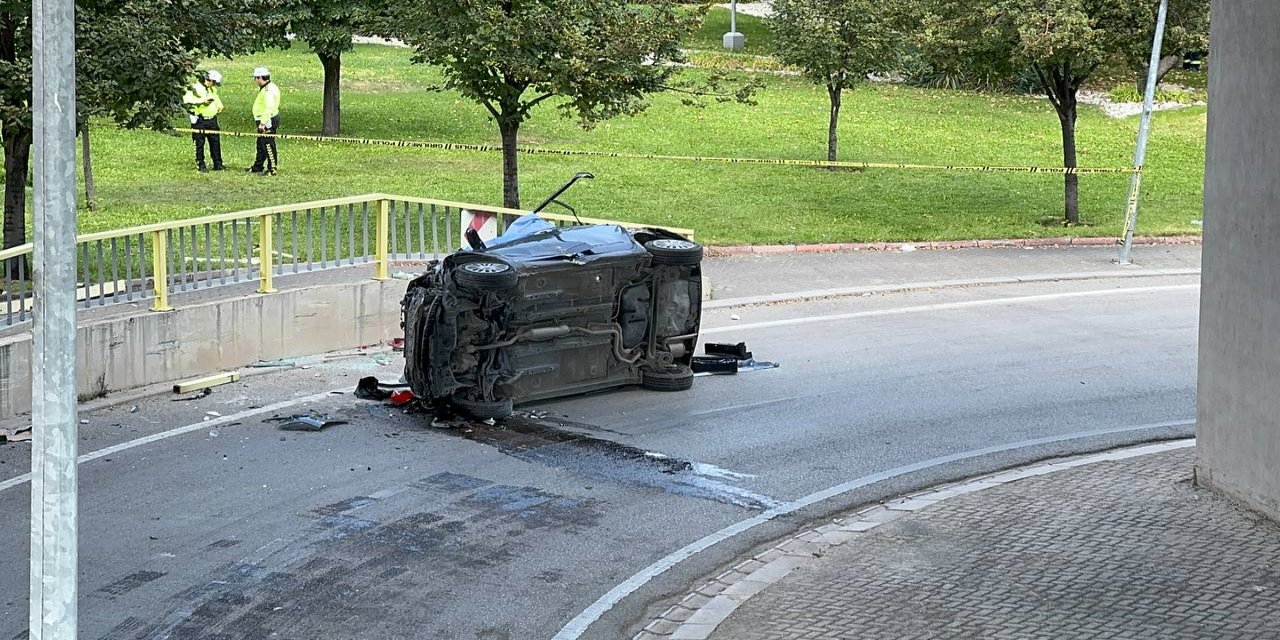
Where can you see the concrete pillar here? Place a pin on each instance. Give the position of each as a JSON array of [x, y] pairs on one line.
[[1239, 396]]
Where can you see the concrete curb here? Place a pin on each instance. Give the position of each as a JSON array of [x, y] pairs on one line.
[[701, 612], [1025, 243], [826, 294]]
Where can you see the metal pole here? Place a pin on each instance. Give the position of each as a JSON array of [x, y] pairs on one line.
[[1144, 131], [53, 398], [733, 16]]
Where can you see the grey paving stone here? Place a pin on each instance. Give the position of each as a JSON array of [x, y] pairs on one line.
[[1125, 549]]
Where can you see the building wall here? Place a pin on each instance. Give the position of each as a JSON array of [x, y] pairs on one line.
[[1239, 395]]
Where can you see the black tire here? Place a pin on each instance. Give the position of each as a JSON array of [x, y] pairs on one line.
[[486, 276], [676, 377], [674, 252], [483, 410]]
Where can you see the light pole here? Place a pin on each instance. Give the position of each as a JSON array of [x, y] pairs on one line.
[[733, 40], [1144, 132], [54, 559]]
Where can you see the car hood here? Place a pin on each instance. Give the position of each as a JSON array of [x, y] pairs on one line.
[[533, 239]]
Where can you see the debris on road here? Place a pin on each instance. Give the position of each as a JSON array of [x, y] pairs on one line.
[[715, 365], [306, 422], [737, 351], [203, 393], [401, 398], [728, 359], [134, 409], [213, 414], [397, 344], [268, 364], [16, 434], [206, 382], [370, 388]]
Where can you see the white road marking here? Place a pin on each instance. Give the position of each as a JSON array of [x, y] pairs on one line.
[[576, 627], [944, 306], [164, 435]]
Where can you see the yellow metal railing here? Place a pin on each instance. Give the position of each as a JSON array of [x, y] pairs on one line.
[[153, 261]]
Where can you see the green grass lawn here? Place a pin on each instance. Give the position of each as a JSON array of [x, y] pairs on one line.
[[147, 176]]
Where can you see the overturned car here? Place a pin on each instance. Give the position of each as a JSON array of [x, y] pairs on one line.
[[545, 312]]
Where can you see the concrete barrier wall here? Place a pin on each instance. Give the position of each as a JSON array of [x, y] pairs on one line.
[[148, 348]]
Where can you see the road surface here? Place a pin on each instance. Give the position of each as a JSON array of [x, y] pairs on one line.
[[389, 528]]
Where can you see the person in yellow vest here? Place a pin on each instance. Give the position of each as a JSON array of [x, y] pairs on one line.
[[266, 115], [203, 106]]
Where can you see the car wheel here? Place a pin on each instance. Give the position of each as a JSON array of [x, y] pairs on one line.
[[676, 377], [674, 251], [486, 276], [480, 410]]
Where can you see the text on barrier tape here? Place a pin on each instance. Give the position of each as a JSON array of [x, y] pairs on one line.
[[451, 146]]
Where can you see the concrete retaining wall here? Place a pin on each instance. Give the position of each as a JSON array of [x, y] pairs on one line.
[[148, 348]]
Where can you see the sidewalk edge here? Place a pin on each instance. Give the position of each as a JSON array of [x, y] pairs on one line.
[[701, 612], [945, 245]]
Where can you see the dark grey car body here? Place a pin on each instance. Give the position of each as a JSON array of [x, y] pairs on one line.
[[554, 313]]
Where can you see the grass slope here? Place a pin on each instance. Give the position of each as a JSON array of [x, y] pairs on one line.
[[146, 176]]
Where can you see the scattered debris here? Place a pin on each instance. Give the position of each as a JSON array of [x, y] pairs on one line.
[[213, 414], [84, 422], [728, 359], [206, 382], [306, 422], [382, 359], [908, 248], [16, 434], [397, 344], [268, 364], [718, 365], [738, 351], [370, 389], [401, 398], [134, 409], [203, 393], [735, 317]]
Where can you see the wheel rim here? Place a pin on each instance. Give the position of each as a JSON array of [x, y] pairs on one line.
[[673, 244], [486, 268]]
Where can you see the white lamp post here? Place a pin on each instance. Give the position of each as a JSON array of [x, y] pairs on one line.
[[733, 40]]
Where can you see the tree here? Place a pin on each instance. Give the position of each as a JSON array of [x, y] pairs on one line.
[[1187, 30], [837, 43], [327, 26], [601, 58], [1062, 42], [134, 58]]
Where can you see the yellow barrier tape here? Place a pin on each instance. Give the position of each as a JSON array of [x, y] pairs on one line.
[[452, 146]]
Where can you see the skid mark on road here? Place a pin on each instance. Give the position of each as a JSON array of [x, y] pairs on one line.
[[566, 446], [345, 570]]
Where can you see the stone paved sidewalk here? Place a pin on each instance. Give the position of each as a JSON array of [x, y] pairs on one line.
[[1120, 549]]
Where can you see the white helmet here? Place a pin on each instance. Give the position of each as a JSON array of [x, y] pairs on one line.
[[214, 76], [261, 72]]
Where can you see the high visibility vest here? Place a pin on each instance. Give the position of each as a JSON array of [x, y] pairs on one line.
[[195, 99], [267, 105]]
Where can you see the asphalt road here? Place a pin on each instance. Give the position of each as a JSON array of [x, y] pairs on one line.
[[388, 527]]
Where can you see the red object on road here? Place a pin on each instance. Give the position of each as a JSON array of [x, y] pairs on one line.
[[401, 398]]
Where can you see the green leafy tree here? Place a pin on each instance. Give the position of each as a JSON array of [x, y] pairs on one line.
[[837, 43], [134, 60], [327, 26], [1187, 30], [1063, 42], [598, 58]]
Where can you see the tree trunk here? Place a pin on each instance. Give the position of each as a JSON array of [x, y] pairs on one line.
[[1067, 116], [86, 159], [1167, 65], [332, 123], [510, 129], [17, 162], [836, 93]]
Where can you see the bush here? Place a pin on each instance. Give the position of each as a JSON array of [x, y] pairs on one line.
[[1129, 93]]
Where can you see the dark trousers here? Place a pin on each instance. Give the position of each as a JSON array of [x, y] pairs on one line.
[[210, 127], [268, 156]]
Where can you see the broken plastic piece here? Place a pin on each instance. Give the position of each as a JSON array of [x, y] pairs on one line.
[[309, 423], [737, 351], [397, 344], [369, 389], [756, 365], [401, 398], [722, 366], [214, 380], [266, 364]]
